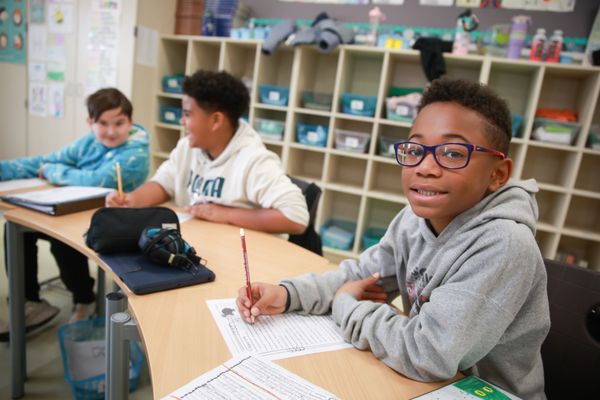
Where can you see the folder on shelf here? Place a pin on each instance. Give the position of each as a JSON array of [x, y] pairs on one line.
[[60, 200], [142, 276]]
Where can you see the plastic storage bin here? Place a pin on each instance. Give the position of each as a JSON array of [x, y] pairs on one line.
[[338, 234], [173, 83], [386, 146], [82, 349], [357, 104], [372, 236], [170, 114], [274, 95], [312, 135], [317, 101], [269, 128], [356, 142], [550, 130]]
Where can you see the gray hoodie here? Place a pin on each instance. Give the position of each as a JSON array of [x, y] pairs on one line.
[[475, 295]]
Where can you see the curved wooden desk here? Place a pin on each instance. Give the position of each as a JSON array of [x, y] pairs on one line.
[[180, 337]]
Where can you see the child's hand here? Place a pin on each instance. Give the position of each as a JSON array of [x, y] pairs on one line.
[[268, 299], [114, 200], [364, 289], [41, 172], [208, 212]]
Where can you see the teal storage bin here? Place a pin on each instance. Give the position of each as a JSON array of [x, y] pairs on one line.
[[274, 95], [269, 128], [170, 114], [517, 121], [173, 83], [317, 101], [358, 104], [372, 236], [86, 338], [312, 135], [338, 234]]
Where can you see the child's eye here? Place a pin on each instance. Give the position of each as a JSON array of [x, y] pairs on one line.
[[415, 152], [454, 154]]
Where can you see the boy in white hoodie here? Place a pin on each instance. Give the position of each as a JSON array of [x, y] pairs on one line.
[[221, 171], [463, 257]]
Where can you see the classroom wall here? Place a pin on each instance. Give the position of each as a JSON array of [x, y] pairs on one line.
[[13, 111], [577, 23]]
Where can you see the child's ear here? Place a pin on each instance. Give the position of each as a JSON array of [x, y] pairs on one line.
[[89, 121], [500, 174], [217, 119]]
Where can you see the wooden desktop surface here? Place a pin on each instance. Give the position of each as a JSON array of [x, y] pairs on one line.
[[180, 337]]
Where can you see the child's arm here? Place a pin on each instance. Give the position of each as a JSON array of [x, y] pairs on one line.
[[149, 194], [260, 219], [134, 166], [29, 167]]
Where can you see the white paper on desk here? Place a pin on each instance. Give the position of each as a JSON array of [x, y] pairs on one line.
[[63, 194], [250, 377], [21, 184], [183, 217], [275, 336]]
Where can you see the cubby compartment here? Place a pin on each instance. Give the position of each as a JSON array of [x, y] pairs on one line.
[[239, 60], [546, 242], [569, 88], [584, 215], [386, 179], [580, 251], [587, 176], [515, 83], [275, 70], [458, 67], [339, 206], [316, 82], [516, 152], [311, 130], [352, 136], [387, 136], [346, 171], [270, 124], [551, 206], [172, 58], [205, 55], [549, 165], [305, 164], [379, 213], [359, 82], [165, 139]]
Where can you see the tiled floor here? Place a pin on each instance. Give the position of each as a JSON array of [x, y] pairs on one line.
[[44, 363]]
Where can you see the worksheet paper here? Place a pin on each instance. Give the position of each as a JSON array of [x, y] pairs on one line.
[[249, 377], [21, 184], [275, 336]]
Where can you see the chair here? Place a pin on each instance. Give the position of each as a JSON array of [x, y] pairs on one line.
[[310, 239], [571, 352]]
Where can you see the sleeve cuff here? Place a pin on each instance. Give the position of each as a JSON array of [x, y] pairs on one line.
[[293, 302], [340, 306]]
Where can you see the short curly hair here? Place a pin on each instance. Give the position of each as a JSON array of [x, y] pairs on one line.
[[218, 91], [479, 98]]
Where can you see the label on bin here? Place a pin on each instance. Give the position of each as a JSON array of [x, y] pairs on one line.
[[172, 83], [357, 105], [351, 142], [170, 116], [312, 136], [391, 149], [274, 96], [402, 110]]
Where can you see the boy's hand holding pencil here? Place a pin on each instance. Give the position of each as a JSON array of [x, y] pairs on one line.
[[267, 299]]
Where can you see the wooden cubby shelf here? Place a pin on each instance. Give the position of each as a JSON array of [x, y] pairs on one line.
[[366, 187]]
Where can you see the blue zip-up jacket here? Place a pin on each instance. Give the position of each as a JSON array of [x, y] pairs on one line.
[[87, 162]]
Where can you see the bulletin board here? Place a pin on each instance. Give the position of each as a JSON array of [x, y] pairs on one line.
[[13, 38]]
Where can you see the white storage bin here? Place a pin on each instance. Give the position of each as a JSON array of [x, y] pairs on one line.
[[356, 142]]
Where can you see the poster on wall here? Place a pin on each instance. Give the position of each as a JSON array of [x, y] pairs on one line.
[[12, 31], [103, 45]]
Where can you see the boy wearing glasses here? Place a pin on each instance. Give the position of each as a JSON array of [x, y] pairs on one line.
[[221, 170], [463, 257]]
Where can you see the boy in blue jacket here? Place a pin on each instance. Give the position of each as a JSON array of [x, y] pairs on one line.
[[462, 255], [89, 161]]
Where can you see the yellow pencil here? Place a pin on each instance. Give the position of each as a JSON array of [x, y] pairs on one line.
[[119, 181]]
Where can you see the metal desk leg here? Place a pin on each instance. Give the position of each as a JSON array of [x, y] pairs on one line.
[[122, 330], [16, 293]]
